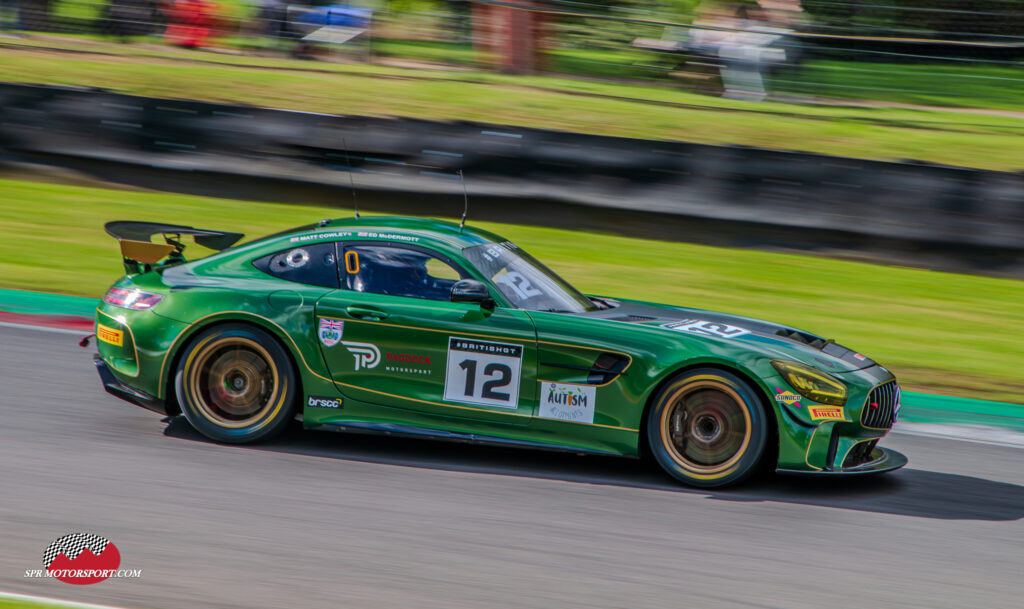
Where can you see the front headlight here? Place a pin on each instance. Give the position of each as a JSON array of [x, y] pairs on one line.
[[811, 382]]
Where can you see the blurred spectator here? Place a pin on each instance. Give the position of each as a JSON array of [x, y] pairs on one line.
[[190, 23], [36, 15], [743, 41], [273, 19], [10, 15], [127, 18], [746, 44]]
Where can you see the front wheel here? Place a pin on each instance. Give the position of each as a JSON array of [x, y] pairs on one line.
[[236, 384], [706, 428]]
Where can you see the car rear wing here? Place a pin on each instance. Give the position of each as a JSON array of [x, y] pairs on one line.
[[139, 252]]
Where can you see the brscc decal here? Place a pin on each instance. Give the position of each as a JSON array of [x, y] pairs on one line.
[[706, 328], [109, 335], [331, 331], [318, 402], [826, 413], [480, 372], [565, 402]]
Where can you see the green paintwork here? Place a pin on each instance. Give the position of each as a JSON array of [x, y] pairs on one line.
[[398, 395]]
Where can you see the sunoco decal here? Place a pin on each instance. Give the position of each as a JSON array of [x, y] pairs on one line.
[[787, 397], [566, 402]]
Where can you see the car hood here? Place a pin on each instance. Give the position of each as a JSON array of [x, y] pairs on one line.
[[784, 341]]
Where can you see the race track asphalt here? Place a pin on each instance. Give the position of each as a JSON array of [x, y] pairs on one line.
[[317, 520]]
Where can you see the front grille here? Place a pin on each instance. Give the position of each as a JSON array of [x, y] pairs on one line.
[[882, 406]]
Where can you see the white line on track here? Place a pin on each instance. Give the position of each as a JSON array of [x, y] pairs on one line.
[[54, 602], [976, 434], [79, 333]]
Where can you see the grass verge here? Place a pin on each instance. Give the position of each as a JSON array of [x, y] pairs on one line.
[[940, 332], [630, 110]]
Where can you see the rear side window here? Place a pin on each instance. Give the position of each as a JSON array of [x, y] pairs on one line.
[[315, 264]]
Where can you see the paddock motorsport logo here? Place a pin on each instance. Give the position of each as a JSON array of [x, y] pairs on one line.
[[82, 558]]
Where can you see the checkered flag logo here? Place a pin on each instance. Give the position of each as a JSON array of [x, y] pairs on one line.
[[72, 545]]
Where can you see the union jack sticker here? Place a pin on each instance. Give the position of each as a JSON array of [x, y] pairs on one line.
[[331, 331]]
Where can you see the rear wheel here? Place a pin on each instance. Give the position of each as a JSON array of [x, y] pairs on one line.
[[236, 384], [706, 428]]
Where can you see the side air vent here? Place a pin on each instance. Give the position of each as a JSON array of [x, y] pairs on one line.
[[606, 368]]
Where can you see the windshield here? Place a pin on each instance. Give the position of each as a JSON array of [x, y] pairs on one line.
[[526, 283]]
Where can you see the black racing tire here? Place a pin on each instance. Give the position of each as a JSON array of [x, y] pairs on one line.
[[707, 428], [236, 384]]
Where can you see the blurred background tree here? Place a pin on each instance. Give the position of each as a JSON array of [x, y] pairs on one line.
[[947, 19]]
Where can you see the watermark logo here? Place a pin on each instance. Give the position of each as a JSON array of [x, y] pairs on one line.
[[82, 558]]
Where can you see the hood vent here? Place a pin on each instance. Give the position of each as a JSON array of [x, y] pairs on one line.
[[633, 318], [802, 337]]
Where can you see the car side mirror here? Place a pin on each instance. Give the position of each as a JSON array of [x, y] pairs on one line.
[[471, 290]]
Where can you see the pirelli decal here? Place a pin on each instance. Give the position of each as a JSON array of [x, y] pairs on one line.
[[109, 335], [826, 413]]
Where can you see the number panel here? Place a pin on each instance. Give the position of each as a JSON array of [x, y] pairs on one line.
[[482, 372]]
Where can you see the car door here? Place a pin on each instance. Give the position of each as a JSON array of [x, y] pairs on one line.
[[391, 336]]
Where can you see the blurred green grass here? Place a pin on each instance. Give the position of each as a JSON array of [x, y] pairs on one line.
[[940, 332], [650, 112]]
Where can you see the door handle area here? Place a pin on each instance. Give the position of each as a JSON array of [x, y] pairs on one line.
[[365, 313]]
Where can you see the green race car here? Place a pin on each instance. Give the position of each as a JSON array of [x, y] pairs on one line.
[[422, 327]]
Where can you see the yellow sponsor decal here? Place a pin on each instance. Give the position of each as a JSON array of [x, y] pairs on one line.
[[109, 335], [787, 397], [822, 413]]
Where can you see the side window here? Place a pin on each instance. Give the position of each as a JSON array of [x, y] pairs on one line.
[[398, 271], [314, 264]]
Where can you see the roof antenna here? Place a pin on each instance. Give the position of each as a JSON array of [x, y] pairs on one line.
[[351, 181], [465, 199]]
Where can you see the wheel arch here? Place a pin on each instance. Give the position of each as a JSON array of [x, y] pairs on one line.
[[177, 349], [744, 374]]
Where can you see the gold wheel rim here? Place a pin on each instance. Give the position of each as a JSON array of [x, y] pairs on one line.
[[233, 382], [706, 427]]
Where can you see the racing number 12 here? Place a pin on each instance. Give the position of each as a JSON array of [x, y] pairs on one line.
[[483, 372], [489, 393]]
